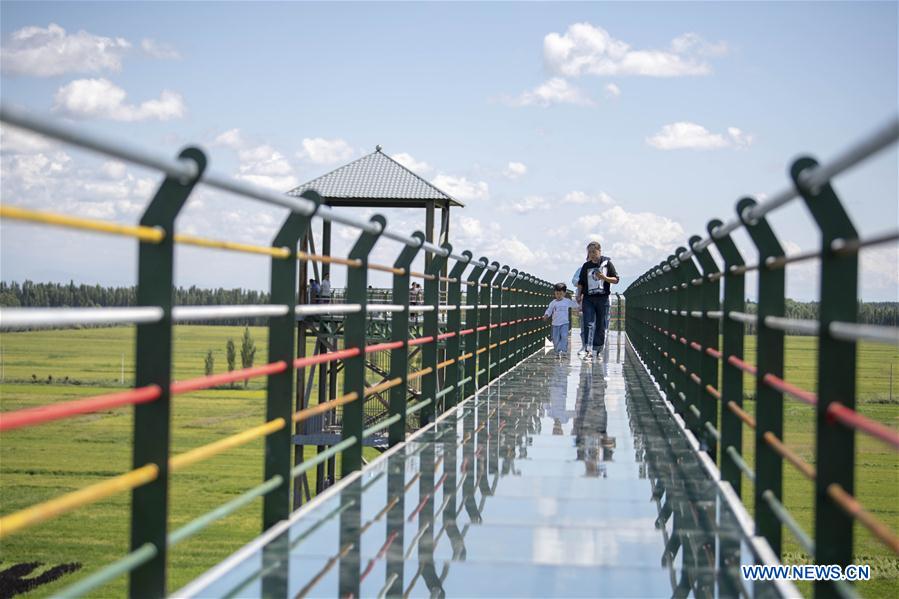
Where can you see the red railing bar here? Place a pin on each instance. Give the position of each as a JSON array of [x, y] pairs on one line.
[[744, 366], [695, 346], [384, 346], [713, 352], [327, 357], [421, 341], [837, 412], [206, 382], [42, 414], [483, 328], [442, 336], [790, 389], [713, 392], [466, 332]]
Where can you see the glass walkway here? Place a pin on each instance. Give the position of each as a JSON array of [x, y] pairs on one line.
[[562, 479]]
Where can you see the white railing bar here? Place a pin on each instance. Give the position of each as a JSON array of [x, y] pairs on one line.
[[384, 308], [18, 318], [793, 324], [850, 331], [328, 309], [743, 317], [180, 313], [421, 308]]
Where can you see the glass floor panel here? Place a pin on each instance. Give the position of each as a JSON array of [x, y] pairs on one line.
[[563, 478]]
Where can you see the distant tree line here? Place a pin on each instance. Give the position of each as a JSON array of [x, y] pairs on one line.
[[58, 295], [54, 295]]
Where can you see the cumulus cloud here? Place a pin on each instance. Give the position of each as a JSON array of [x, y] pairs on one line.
[[530, 204], [687, 135], [412, 164], [580, 197], [50, 51], [160, 50], [102, 99], [612, 90], [632, 236], [260, 164], [585, 49], [554, 91], [325, 151], [20, 141], [461, 188], [514, 170]]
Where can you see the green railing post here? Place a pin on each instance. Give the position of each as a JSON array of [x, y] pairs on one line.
[[281, 343], [520, 327], [485, 320], [472, 297], [430, 351], [769, 360], [354, 336], [152, 421], [498, 297], [835, 445], [399, 331], [733, 333], [692, 301], [710, 292], [507, 356], [454, 325], [680, 282]]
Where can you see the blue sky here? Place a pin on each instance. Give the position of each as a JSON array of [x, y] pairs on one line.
[[555, 123]]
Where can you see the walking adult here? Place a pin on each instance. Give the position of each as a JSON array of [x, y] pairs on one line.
[[575, 278], [597, 276], [325, 290]]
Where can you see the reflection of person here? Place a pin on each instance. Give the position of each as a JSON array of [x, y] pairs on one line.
[[594, 285], [594, 446], [558, 388], [557, 310]]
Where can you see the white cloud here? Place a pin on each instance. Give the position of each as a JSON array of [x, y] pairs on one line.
[[530, 204], [686, 135], [514, 170], [49, 52], [412, 164], [461, 188], [20, 141], [880, 268], [100, 98], [114, 169], [260, 164], [580, 197], [325, 151], [159, 50], [553, 91], [612, 90], [632, 235], [587, 49]]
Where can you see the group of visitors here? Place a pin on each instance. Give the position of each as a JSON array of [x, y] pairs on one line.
[[593, 282], [320, 293]]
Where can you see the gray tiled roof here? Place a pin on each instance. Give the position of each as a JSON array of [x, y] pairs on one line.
[[375, 176]]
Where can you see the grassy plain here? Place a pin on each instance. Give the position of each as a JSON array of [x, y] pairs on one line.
[[43, 462]]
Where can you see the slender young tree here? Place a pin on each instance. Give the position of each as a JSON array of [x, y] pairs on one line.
[[231, 355], [210, 362], [247, 352]]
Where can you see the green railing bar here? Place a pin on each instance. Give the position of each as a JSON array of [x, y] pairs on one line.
[[692, 408], [482, 371], [738, 460], [443, 392], [126, 564], [380, 426], [784, 516], [465, 380], [419, 406], [492, 364], [712, 430], [198, 524], [318, 459]]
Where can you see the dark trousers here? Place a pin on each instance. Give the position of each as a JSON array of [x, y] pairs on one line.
[[596, 309]]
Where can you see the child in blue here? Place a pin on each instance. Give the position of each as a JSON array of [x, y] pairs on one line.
[[558, 312]]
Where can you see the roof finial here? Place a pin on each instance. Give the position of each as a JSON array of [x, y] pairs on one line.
[[378, 148]]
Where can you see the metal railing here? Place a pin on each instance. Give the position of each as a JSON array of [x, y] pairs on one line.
[[676, 313], [502, 326]]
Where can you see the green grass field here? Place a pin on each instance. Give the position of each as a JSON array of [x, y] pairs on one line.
[[43, 462]]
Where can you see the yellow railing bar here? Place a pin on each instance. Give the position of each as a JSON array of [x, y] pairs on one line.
[[324, 407], [419, 373], [50, 509], [230, 245], [329, 259], [151, 234], [212, 449], [383, 386]]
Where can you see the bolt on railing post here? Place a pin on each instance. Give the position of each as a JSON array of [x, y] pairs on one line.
[[472, 297], [454, 325], [152, 420], [733, 333], [281, 344], [835, 445], [354, 336], [430, 351], [399, 331], [769, 360], [486, 320], [710, 292]]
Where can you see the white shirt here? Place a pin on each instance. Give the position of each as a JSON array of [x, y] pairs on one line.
[[558, 309], [326, 288]]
